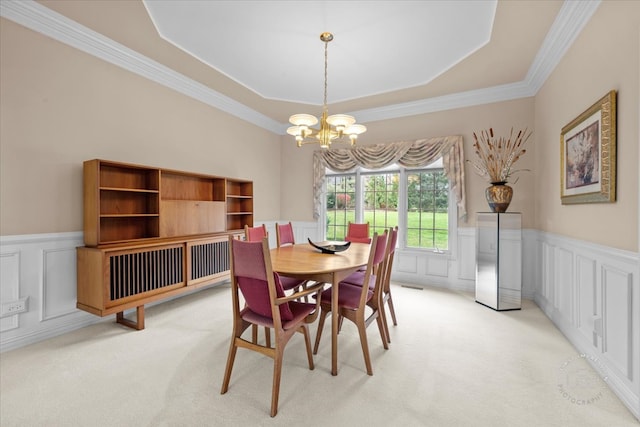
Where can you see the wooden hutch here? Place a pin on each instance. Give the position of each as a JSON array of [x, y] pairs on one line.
[[154, 233]]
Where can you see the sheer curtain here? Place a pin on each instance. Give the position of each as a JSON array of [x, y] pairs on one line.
[[416, 153]]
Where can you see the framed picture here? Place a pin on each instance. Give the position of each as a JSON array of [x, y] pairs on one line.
[[588, 155]]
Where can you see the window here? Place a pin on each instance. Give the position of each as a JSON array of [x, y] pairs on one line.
[[416, 200], [341, 190], [427, 209], [380, 200]]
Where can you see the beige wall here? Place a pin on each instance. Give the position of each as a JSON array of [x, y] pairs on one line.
[[61, 106], [603, 57]]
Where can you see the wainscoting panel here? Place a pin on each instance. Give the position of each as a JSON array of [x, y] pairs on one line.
[[546, 288], [406, 263], [467, 254], [58, 298], [617, 318], [564, 283], [10, 289], [592, 294], [437, 266], [41, 268], [586, 310]]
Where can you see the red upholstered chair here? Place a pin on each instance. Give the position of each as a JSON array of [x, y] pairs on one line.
[[255, 234], [284, 234], [358, 233], [266, 305], [385, 272], [353, 300], [284, 237]]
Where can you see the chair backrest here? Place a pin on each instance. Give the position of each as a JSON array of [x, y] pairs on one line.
[[376, 254], [253, 276], [255, 234], [284, 234], [380, 249], [390, 252], [358, 233]]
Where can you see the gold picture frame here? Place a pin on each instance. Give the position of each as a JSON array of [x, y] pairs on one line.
[[588, 155]]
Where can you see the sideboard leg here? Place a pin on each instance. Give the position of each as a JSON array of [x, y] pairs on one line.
[[138, 324]]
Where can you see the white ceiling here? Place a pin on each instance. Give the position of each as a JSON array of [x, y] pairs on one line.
[[262, 61], [273, 48]]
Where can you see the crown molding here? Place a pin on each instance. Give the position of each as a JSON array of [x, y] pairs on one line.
[[36, 17], [446, 102], [571, 19]]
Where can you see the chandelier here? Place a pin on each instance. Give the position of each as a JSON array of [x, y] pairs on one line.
[[332, 128]]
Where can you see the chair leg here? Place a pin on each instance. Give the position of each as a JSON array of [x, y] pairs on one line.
[[254, 334], [386, 325], [277, 373], [307, 342], [393, 312], [323, 315], [382, 327], [362, 330], [230, 360], [267, 336], [382, 314]]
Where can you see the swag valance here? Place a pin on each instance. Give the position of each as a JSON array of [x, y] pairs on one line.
[[416, 153]]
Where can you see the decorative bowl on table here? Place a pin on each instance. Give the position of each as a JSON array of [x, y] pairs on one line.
[[330, 247]]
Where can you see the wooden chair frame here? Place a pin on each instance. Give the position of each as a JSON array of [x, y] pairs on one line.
[[359, 315], [385, 292], [282, 336]]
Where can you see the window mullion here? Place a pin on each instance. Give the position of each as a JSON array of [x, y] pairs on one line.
[[359, 214], [402, 206]]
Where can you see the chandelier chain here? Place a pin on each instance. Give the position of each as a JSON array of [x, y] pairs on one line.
[[326, 56]]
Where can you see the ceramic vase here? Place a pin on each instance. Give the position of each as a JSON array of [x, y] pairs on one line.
[[499, 196]]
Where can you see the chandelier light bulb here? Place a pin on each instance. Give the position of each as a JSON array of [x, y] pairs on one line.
[[303, 120], [355, 129], [343, 120]]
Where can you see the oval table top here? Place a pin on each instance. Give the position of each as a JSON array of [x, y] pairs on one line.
[[303, 259]]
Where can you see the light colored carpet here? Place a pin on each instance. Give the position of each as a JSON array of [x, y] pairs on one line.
[[452, 362]]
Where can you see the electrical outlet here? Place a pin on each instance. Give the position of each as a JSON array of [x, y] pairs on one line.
[[14, 307]]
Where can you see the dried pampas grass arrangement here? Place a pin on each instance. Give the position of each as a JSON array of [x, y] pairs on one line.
[[497, 155]]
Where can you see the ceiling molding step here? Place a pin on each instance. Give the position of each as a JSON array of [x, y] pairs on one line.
[[469, 98], [41, 19], [571, 19]]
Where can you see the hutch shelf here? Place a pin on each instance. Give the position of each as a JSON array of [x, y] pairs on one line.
[[154, 233]]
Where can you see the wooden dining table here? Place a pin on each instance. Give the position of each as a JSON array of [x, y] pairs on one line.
[[303, 261]]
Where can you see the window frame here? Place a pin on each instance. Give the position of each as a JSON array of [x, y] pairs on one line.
[[402, 202]]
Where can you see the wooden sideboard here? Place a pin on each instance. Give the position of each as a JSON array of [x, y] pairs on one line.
[[154, 233]]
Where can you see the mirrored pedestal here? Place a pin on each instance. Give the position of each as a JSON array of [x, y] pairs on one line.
[[499, 260]]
